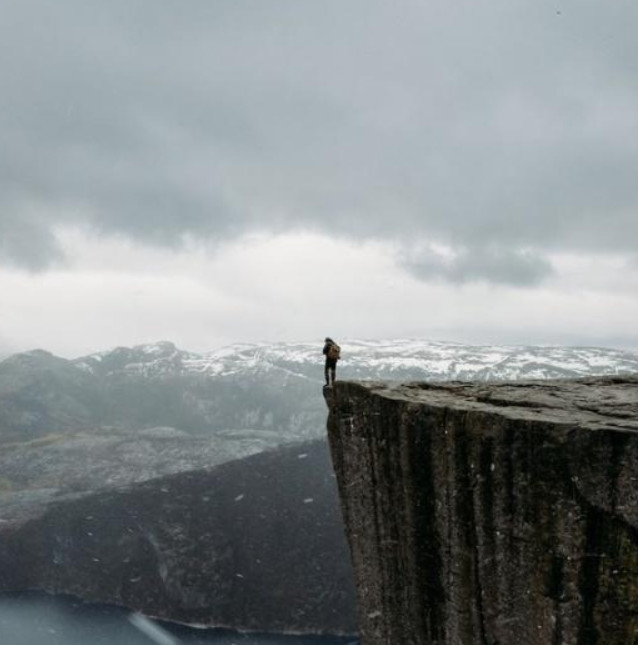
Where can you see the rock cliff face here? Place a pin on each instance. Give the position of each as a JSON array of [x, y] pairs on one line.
[[491, 514]]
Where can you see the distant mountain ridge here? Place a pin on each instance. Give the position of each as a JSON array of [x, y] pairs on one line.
[[400, 359], [267, 393]]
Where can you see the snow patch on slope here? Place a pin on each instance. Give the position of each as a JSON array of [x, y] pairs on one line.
[[363, 359]]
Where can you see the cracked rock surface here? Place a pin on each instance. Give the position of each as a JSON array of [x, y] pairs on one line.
[[491, 513]]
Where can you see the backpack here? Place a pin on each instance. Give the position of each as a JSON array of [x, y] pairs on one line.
[[334, 352]]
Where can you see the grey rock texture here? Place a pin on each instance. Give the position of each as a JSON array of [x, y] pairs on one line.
[[255, 544], [491, 513]]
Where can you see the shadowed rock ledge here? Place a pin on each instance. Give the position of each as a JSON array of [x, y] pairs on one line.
[[491, 514]]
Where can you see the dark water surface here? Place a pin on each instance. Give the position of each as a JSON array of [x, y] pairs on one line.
[[38, 619]]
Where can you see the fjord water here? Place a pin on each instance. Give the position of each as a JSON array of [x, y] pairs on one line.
[[39, 619]]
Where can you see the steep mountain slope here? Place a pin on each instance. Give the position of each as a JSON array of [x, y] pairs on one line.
[[254, 544], [39, 391]]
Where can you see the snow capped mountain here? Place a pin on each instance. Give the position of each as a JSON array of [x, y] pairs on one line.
[[384, 359], [260, 393], [150, 359], [447, 361]]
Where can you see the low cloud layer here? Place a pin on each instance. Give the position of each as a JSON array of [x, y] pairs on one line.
[[502, 131], [298, 287]]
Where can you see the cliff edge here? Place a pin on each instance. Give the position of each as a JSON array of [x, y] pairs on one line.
[[491, 513]]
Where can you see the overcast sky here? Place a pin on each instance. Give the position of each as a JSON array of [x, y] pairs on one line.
[[214, 171]]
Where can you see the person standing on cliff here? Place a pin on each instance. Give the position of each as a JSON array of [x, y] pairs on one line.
[[332, 352]]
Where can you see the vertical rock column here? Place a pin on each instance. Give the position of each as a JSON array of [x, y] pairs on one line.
[[491, 514]]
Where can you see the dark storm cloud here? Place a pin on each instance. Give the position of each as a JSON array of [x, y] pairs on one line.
[[479, 125], [518, 268], [23, 242]]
